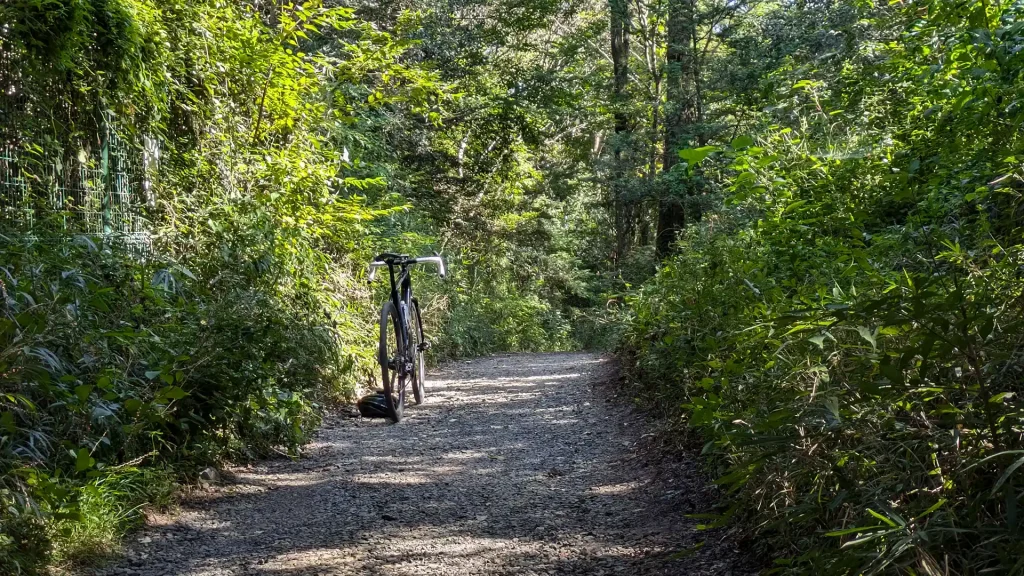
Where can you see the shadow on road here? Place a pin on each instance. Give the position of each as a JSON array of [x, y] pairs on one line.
[[518, 464]]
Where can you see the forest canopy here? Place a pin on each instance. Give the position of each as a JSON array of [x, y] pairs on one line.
[[797, 224]]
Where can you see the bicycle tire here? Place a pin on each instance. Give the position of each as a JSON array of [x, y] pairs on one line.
[[419, 356], [392, 349]]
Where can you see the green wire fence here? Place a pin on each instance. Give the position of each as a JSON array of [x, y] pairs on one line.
[[66, 170]]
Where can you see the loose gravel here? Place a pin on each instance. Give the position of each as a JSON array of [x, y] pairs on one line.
[[521, 464]]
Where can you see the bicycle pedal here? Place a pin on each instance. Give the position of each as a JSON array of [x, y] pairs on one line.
[[423, 346]]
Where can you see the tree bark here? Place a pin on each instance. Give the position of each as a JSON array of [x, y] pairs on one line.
[[683, 112], [652, 166], [624, 219]]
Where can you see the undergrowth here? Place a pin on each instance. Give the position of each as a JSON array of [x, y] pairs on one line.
[[845, 331]]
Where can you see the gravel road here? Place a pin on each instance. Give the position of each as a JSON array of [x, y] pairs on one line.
[[520, 464]]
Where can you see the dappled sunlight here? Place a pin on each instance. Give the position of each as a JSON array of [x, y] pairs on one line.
[[280, 480], [510, 474], [389, 480], [614, 489], [509, 381], [562, 421], [406, 554]]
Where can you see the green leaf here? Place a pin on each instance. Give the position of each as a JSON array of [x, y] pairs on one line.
[[891, 371], [864, 539], [82, 392], [856, 530], [83, 461], [1006, 475], [742, 142], [867, 334], [998, 398], [986, 327], [794, 205], [69, 516], [99, 303], [744, 178], [992, 457], [7, 422], [881, 517], [172, 393], [933, 508], [694, 156]]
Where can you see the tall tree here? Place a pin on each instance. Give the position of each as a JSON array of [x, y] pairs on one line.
[[623, 207], [649, 32], [683, 111]]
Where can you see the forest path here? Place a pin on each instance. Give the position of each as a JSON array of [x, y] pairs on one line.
[[517, 464]]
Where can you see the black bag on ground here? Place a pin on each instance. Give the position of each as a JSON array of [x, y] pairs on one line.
[[373, 405]]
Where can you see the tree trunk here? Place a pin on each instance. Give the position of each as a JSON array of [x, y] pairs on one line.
[[620, 25], [652, 162], [682, 113]]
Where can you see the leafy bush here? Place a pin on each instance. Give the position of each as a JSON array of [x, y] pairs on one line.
[[109, 360], [878, 412], [217, 311], [481, 324], [122, 365], [845, 333], [487, 306]]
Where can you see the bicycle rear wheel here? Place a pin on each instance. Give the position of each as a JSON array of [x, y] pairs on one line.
[[391, 355]]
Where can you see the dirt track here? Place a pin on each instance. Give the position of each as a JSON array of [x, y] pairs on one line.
[[520, 464]]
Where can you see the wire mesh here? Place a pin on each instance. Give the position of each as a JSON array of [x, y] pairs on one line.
[[66, 169]]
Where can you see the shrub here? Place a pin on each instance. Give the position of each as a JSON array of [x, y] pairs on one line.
[[845, 333]]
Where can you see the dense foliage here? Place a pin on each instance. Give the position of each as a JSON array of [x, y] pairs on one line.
[[243, 314], [277, 147], [844, 331]]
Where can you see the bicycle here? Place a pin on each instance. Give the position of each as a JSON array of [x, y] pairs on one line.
[[402, 350]]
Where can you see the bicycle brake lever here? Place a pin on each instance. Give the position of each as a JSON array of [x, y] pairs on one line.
[[441, 272]]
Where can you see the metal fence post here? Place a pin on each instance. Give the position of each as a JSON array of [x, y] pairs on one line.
[[107, 193]]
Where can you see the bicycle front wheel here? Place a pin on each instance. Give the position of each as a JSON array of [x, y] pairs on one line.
[[418, 354], [391, 356]]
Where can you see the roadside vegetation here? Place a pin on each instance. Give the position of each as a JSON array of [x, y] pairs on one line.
[[843, 328], [799, 224]]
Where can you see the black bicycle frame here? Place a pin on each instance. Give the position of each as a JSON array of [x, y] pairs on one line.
[[401, 291]]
